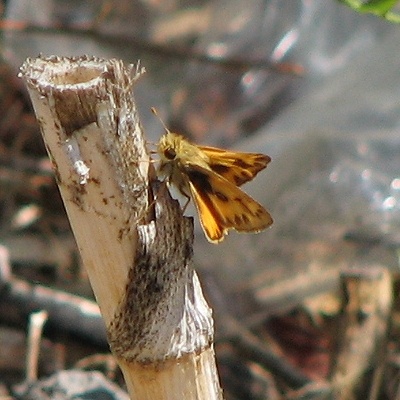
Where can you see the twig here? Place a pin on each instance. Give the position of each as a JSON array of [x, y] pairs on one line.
[[367, 305], [253, 348], [36, 324], [66, 312]]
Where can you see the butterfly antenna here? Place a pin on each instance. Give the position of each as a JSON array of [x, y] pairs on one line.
[[154, 111]]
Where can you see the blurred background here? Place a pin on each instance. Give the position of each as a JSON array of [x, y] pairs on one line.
[[313, 84]]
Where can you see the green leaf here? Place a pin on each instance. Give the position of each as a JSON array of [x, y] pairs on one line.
[[381, 8]]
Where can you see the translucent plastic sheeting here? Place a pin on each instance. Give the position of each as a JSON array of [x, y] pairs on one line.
[[333, 186], [210, 63]]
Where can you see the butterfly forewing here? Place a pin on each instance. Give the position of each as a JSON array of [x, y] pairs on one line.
[[222, 206], [237, 168]]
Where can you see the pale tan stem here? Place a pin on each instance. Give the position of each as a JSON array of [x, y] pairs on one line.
[[139, 262]]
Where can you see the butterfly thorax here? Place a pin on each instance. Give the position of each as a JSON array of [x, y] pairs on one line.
[[176, 155]]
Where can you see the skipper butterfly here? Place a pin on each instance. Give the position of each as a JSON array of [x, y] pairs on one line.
[[211, 178]]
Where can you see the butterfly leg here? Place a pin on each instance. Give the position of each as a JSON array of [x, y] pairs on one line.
[[186, 204]]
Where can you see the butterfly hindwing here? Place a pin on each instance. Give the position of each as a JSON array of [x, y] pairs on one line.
[[222, 205]]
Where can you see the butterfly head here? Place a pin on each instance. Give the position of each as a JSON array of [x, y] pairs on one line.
[[169, 147]]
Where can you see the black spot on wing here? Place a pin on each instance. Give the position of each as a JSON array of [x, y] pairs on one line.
[[262, 159], [221, 196], [259, 212], [200, 180], [219, 168], [244, 176], [245, 218], [243, 204], [238, 220], [240, 163], [238, 180]]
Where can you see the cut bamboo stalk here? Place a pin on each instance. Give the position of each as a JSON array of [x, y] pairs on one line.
[[139, 263]]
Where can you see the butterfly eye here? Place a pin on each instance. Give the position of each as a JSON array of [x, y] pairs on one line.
[[169, 153]]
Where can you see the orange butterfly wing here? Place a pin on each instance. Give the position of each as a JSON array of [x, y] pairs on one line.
[[222, 206], [237, 168]]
